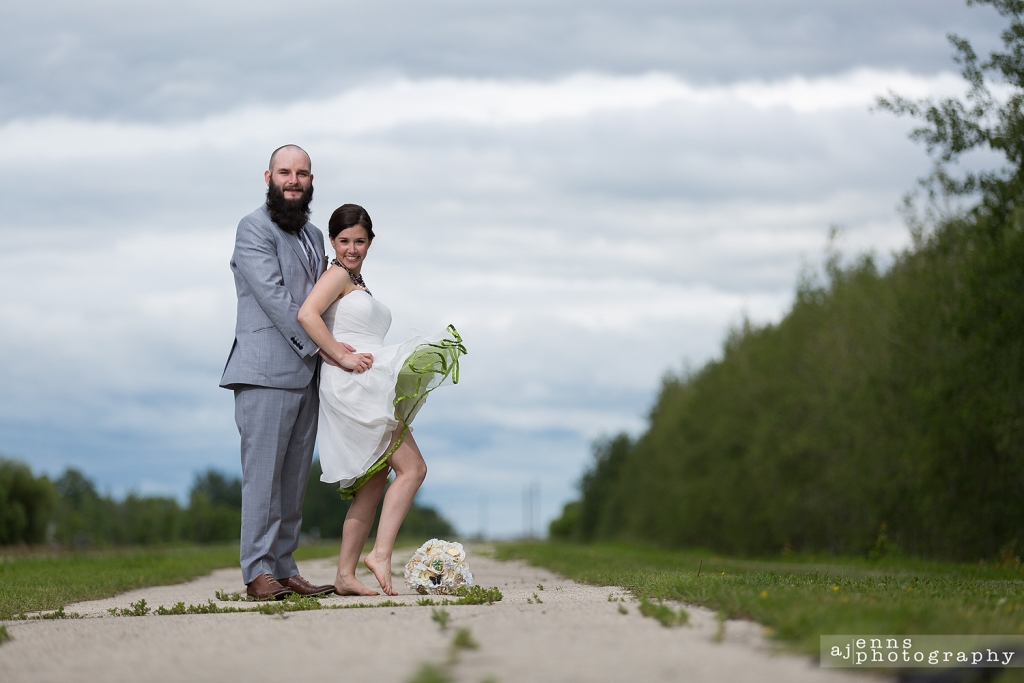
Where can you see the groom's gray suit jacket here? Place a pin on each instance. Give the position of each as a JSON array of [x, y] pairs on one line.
[[271, 349]]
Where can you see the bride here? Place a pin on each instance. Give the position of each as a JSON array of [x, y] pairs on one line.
[[367, 403]]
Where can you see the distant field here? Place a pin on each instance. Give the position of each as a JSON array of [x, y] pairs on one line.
[[46, 579], [802, 597]]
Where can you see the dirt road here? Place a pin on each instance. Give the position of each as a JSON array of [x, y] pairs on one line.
[[573, 633]]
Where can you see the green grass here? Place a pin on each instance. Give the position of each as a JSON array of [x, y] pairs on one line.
[[802, 597], [664, 614], [45, 579]]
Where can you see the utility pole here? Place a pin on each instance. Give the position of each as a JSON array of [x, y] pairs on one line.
[[483, 517], [535, 510], [527, 511]]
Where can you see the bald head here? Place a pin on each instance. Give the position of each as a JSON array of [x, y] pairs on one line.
[[290, 151], [289, 173]]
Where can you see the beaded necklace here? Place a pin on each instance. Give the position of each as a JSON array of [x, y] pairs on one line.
[[357, 280]]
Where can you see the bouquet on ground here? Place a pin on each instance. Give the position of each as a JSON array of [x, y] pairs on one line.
[[438, 567]]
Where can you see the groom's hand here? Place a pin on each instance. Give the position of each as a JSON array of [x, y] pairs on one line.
[[328, 359], [331, 361]]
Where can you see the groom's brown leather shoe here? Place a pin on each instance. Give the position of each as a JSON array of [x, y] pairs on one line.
[[303, 587], [265, 586]]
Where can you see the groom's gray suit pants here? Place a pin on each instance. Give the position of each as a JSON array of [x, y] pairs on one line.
[[278, 429]]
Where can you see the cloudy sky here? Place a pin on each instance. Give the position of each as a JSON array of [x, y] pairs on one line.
[[592, 192]]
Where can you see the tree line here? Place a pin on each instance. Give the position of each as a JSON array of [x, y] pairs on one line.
[[885, 411], [70, 511]]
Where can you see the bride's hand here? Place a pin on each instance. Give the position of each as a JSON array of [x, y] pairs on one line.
[[357, 362]]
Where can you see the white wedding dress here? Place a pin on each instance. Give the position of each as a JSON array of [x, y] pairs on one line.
[[360, 411]]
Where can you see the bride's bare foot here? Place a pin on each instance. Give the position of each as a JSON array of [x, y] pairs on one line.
[[382, 571], [350, 585]]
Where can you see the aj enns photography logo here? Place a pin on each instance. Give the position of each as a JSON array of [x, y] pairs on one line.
[[891, 652]]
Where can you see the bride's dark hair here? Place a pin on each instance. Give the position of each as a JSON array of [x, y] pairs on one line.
[[347, 216]]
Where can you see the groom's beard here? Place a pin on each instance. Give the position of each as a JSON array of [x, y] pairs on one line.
[[289, 214]]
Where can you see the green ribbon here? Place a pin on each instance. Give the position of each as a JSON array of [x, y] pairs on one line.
[[426, 362]]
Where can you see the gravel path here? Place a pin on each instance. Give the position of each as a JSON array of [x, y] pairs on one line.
[[574, 634]]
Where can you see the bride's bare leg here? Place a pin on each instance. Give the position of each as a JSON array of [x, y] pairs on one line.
[[410, 470], [353, 536]]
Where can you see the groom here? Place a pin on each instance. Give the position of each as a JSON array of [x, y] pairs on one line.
[[273, 370]]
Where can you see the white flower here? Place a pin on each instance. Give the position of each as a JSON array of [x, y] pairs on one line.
[[438, 567]]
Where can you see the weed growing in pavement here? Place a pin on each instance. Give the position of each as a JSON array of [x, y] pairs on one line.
[[299, 603], [537, 599], [292, 603], [58, 613], [443, 673], [276, 608], [138, 609], [468, 595], [477, 595], [209, 608], [667, 616], [431, 673], [230, 597], [179, 608], [462, 640], [4, 635], [622, 609], [540, 586], [441, 616]]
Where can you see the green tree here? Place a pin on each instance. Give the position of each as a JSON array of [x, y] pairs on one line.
[[600, 512], [26, 503], [79, 509], [209, 522], [424, 522], [215, 508], [323, 510], [219, 488], [954, 127], [566, 527]]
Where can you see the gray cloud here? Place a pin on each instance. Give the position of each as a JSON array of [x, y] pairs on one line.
[[125, 60]]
